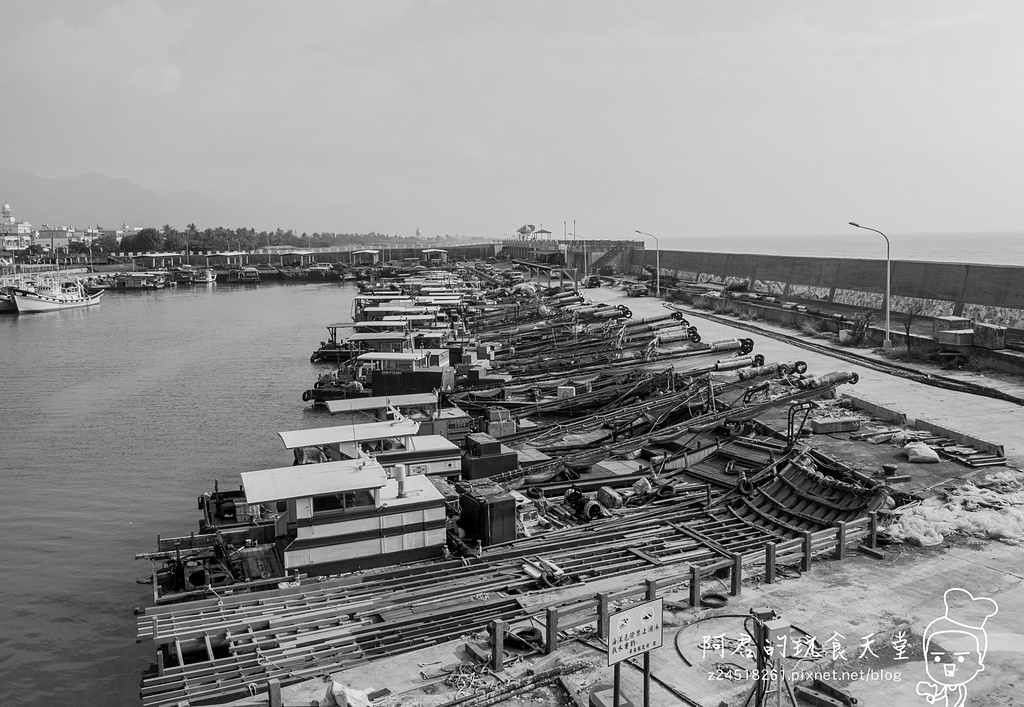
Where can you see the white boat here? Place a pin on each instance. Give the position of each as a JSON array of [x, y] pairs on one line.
[[8, 283], [203, 276], [246, 275], [52, 295]]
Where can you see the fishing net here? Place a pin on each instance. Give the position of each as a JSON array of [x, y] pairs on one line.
[[991, 508]]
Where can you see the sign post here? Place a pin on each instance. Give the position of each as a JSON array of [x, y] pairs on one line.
[[634, 631]]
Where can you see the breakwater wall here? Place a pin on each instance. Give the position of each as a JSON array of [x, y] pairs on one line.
[[982, 293]]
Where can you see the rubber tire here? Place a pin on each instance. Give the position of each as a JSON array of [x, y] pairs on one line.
[[713, 600]]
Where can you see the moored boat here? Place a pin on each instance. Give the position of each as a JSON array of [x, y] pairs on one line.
[[203, 276], [244, 275], [49, 296]]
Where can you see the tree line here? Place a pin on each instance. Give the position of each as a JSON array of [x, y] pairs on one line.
[[171, 240]]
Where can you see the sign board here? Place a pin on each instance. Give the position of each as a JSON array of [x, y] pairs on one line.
[[634, 631]]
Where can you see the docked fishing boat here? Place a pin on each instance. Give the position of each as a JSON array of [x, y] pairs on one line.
[[245, 276], [203, 276], [142, 281], [8, 283], [188, 275], [53, 295]]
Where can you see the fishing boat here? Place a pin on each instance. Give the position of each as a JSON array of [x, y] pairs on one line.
[[245, 275], [9, 283], [203, 276], [52, 295]]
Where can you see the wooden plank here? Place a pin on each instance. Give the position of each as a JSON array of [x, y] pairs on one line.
[[644, 556]]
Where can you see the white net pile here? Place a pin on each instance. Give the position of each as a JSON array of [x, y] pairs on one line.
[[990, 508]]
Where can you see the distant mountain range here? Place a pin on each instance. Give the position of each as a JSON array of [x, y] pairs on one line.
[[96, 199]]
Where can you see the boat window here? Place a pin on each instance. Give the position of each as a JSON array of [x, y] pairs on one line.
[[342, 501]]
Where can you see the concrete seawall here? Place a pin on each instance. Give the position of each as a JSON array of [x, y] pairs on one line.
[[985, 293]]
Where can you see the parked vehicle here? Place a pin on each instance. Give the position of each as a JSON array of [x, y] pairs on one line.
[[637, 290]]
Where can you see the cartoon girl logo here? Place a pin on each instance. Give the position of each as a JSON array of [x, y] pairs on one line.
[[954, 647]]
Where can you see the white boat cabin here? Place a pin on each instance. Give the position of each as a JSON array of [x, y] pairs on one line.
[[382, 311], [407, 360], [383, 325], [450, 422], [348, 441], [382, 406], [347, 515]]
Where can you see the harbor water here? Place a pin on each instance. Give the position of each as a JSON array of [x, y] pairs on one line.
[[115, 418]]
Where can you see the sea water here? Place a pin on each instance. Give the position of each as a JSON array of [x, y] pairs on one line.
[[115, 418]]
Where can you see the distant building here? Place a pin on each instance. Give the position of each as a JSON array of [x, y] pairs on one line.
[[14, 235], [56, 238]]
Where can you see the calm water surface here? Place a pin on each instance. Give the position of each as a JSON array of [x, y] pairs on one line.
[[115, 418]]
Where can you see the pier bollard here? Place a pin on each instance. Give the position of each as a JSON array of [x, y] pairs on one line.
[[770, 550], [602, 615], [841, 540], [551, 645], [736, 585], [694, 585], [274, 689], [805, 561], [498, 644]]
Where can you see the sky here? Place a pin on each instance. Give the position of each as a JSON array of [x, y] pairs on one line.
[[673, 117]]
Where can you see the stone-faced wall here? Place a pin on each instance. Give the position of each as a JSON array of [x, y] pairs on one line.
[[988, 293]]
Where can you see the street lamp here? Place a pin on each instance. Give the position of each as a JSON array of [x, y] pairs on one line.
[[657, 262], [887, 342]]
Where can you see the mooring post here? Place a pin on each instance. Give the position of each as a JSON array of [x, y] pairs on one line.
[[498, 645], [770, 551], [694, 585], [552, 630], [841, 540], [737, 574], [805, 562], [602, 615], [274, 689]]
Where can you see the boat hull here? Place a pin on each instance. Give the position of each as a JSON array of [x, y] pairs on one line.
[[30, 302]]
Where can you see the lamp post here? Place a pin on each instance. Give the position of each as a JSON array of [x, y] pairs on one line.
[[657, 262], [887, 342]]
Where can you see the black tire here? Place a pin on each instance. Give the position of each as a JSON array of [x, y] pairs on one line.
[[306, 396], [525, 638], [713, 600]]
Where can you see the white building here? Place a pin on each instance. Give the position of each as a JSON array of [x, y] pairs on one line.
[[14, 234]]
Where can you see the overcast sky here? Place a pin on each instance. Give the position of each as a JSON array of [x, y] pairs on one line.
[[473, 117]]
